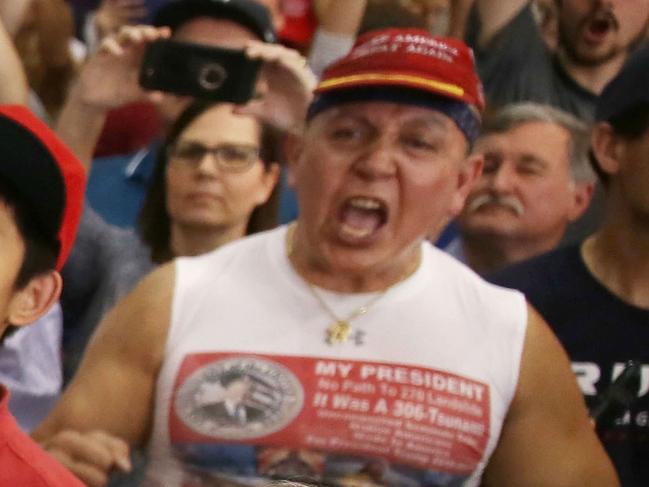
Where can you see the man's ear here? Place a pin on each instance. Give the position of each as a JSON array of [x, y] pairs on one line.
[[34, 299], [605, 146], [467, 177], [293, 146], [582, 195]]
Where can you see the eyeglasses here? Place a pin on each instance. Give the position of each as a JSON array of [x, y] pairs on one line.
[[229, 157]]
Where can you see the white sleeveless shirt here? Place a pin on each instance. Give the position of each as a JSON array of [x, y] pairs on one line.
[[250, 388]]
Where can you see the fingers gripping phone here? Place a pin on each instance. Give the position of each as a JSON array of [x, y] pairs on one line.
[[213, 73]]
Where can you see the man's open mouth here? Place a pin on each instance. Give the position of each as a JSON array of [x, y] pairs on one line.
[[599, 26], [361, 217]]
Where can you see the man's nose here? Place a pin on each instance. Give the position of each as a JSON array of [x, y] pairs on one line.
[[503, 178], [377, 160]]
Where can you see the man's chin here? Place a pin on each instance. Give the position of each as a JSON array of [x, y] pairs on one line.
[[589, 57], [486, 231]]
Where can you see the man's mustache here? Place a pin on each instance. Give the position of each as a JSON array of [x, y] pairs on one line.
[[509, 202]]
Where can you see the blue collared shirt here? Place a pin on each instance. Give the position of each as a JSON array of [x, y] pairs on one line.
[[117, 185]]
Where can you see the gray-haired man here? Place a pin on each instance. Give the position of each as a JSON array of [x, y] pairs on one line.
[[536, 180]]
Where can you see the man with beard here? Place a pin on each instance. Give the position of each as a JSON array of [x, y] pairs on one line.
[[536, 179], [595, 38], [596, 295]]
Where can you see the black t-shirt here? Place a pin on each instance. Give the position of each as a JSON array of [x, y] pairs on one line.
[[600, 332], [517, 66]]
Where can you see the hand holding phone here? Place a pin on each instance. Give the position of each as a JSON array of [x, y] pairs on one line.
[[288, 86], [213, 73]]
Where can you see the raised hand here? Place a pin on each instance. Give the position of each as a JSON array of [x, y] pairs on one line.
[[114, 14], [285, 88], [110, 78]]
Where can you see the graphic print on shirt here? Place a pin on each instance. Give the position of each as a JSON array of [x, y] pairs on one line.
[[235, 416], [594, 379]]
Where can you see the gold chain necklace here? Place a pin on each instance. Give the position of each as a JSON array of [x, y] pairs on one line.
[[341, 329]]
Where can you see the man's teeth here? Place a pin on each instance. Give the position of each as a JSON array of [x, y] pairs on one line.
[[356, 232], [365, 203]]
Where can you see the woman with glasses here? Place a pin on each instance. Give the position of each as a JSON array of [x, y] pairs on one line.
[[214, 181]]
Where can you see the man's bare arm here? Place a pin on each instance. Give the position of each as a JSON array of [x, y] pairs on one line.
[[109, 403], [458, 17], [496, 14], [340, 16], [547, 439], [13, 80], [338, 24], [13, 14]]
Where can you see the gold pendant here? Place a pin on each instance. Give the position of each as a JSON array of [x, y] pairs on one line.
[[339, 332]]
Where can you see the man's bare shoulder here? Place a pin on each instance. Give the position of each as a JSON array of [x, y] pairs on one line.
[[547, 439]]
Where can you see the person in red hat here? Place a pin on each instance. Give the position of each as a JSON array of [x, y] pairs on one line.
[[41, 195], [343, 347]]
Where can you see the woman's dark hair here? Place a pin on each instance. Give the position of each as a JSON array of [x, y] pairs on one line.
[[154, 223], [630, 124]]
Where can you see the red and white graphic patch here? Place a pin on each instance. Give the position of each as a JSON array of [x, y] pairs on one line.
[[411, 416]]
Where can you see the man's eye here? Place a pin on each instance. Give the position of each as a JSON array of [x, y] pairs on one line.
[[345, 134], [420, 144], [491, 163], [530, 166], [530, 170]]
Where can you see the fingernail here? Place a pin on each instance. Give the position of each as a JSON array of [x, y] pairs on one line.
[[124, 464]]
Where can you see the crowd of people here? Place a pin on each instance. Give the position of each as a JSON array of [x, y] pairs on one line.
[[417, 256]]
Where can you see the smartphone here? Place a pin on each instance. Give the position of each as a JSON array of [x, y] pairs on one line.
[[213, 73]]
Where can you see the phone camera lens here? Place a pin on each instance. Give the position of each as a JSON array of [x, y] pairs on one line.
[[212, 76]]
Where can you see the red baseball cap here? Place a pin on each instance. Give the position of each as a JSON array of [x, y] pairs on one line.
[[45, 173], [411, 58]]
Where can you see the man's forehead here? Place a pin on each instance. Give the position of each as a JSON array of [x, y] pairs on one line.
[[381, 111], [213, 31], [525, 142]]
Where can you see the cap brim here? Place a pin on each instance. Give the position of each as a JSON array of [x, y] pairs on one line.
[[394, 79]]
